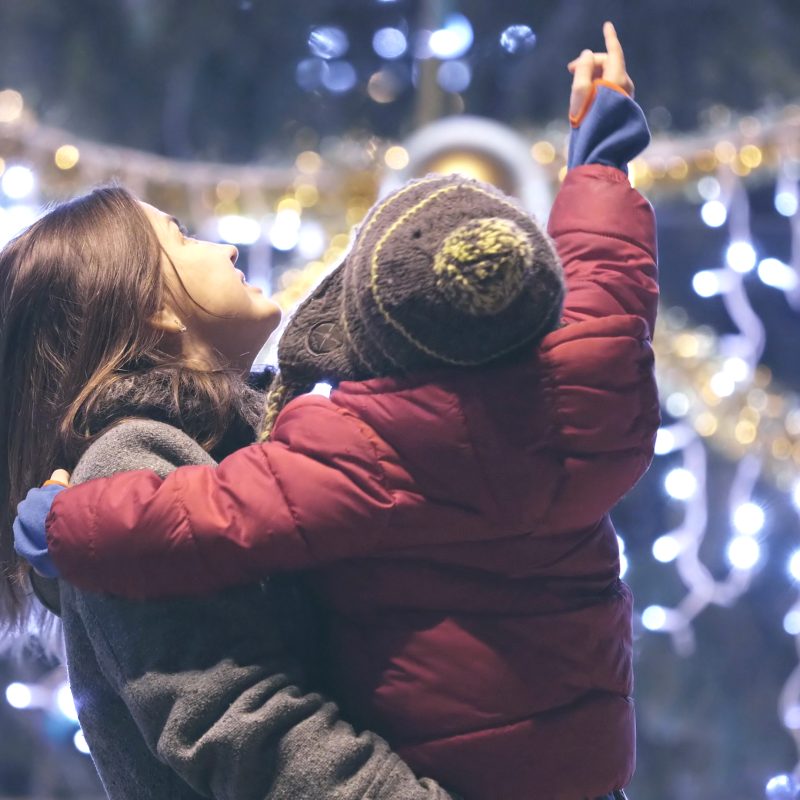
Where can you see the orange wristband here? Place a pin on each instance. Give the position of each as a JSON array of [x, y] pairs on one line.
[[55, 483], [576, 119]]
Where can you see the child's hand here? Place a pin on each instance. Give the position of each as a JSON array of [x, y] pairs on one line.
[[589, 66]]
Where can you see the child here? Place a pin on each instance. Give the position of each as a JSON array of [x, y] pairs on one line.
[[470, 579]]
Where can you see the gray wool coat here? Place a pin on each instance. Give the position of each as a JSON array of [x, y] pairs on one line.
[[210, 697]]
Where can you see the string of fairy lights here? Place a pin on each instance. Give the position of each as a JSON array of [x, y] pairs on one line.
[[715, 390]]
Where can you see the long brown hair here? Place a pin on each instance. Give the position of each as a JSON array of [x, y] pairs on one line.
[[77, 290]]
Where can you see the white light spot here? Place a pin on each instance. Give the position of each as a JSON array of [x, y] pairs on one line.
[[796, 495], [238, 230], [454, 39], [311, 242], [791, 622], [775, 273], [709, 188], [654, 618], [285, 231], [328, 41], [706, 283], [666, 548], [743, 552], [665, 441], [680, 483], [79, 740], [454, 76], [748, 519], [677, 404], [786, 203], [389, 43], [714, 213], [737, 368], [66, 703], [794, 565], [340, 77], [623, 565], [781, 787], [18, 695], [18, 182], [517, 39], [323, 389], [741, 257], [722, 384], [791, 718]]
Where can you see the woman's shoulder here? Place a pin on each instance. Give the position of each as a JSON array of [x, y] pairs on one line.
[[139, 444]]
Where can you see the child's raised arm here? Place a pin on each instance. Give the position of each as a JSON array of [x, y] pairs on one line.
[[603, 228]]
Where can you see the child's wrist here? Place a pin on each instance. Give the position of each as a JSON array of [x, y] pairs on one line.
[[576, 119]]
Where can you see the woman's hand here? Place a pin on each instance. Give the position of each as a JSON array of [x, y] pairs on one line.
[[589, 67]]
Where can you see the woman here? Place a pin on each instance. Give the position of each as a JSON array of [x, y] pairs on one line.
[[109, 312]]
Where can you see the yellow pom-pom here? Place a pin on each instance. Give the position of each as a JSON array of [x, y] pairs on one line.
[[481, 266]]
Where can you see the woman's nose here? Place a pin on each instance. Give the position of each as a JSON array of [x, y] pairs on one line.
[[234, 251]]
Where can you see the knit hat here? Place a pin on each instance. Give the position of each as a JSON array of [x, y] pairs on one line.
[[445, 271]]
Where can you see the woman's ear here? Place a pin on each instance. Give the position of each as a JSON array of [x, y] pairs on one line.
[[167, 320]]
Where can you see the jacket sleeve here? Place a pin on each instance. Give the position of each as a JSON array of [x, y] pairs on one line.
[[604, 231], [600, 368], [217, 697], [325, 488]]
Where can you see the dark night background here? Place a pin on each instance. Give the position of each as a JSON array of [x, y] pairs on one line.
[[216, 80]]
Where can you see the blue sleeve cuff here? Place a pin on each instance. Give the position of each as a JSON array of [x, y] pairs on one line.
[[613, 132], [30, 532]]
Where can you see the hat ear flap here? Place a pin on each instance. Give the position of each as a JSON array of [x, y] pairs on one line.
[[481, 267]]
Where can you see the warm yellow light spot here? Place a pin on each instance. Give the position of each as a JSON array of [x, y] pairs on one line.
[[706, 424], [228, 191], [710, 397], [705, 160], [396, 157], [332, 254], [382, 87], [11, 105], [341, 240], [640, 174], [306, 194], [562, 173], [289, 204], [738, 168], [751, 156], [686, 345], [750, 414], [677, 168], [355, 214], [308, 162], [67, 156], [763, 376], [658, 167], [781, 448], [745, 432], [725, 152], [2, 166], [543, 152], [796, 452]]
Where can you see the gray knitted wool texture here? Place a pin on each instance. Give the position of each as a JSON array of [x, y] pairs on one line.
[[446, 271]]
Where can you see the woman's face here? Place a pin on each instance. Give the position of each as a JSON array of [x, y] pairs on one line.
[[221, 311]]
